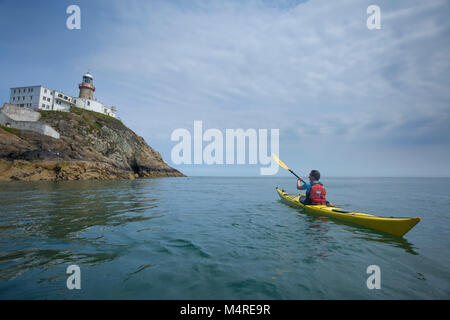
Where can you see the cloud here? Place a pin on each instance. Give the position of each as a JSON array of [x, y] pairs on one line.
[[310, 68], [236, 63]]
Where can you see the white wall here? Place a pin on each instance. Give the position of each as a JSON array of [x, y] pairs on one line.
[[39, 97], [94, 105], [25, 96], [19, 113], [46, 99], [24, 115], [62, 101]]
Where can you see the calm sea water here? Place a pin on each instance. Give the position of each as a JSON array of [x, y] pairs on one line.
[[219, 238]]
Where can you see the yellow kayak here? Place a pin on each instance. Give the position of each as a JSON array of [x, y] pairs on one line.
[[394, 226]]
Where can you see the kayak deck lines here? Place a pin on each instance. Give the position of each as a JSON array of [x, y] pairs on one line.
[[392, 225]]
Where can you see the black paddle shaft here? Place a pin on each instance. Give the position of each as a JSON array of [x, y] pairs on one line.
[[294, 173]]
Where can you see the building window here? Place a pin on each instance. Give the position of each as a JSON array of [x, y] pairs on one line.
[[45, 90], [60, 95], [88, 103]]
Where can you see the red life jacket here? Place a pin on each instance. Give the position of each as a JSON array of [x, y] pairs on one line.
[[317, 194]]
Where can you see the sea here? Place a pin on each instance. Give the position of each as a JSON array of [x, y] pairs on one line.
[[220, 238]]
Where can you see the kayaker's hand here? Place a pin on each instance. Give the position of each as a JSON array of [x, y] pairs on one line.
[[300, 180]]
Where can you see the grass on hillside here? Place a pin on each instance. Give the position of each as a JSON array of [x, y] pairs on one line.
[[80, 112], [11, 130], [89, 118]]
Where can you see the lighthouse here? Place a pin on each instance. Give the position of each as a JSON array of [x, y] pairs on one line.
[[42, 98], [87, 87]]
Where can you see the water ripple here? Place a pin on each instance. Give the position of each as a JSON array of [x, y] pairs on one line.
[[226, 238]]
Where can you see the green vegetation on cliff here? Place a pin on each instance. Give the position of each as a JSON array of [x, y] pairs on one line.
[[11, 130]]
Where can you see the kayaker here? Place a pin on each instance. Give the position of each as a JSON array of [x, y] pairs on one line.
[[315, 192]]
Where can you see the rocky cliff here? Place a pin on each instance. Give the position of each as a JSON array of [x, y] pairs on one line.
[[91, 146]]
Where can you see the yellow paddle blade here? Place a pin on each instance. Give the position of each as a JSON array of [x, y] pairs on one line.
[[280, 163]]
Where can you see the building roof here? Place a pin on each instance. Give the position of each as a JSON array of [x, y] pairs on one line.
[[87, 74], [28, 87]]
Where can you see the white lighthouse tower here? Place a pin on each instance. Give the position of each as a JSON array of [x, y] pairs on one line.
[[87, 87]]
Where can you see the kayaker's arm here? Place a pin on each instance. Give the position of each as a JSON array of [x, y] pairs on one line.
[[299, 184], [306, 186]]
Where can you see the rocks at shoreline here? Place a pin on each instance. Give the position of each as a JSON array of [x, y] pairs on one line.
[[92, 147]]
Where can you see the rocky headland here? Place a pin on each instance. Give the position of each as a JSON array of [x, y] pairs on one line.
[[92, 146]]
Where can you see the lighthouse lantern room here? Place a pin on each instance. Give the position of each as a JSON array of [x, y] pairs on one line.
[[87, 87]]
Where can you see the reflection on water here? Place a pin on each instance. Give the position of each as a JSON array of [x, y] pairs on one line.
[[387, 239], [318, 229], [61, 212], [200, 238], [17, 262], [361, 233], [322, 243]]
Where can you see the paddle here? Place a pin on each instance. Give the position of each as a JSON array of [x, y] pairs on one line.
[[281, 164]]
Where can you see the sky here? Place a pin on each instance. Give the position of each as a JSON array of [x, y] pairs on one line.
[[347, 100]]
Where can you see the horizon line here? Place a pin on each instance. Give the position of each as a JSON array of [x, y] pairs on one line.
[[260, 176]]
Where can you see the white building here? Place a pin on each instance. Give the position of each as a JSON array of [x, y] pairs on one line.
[[42, 98]]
